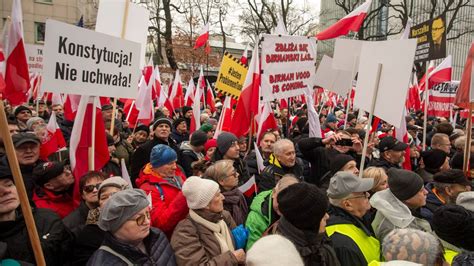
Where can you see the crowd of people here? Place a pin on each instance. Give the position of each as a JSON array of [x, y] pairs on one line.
[[186, 204]]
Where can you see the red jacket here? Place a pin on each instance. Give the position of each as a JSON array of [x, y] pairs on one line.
[[169, 205], [62, 204]]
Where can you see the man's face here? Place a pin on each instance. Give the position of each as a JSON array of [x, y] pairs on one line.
[[23, 116], [351, 167], [13, 129], [266, 144], [41, 107], [444, 145], [417, 201], [453, 191], [58, 109], [62, 182], [166, 112], [9, 199], [395, 157], [163, 131], [107, 115], [233, 152], [167, 170], [358, 204], [288, 156], [284, 113], [140, 136], [437, 30], [27, 153], [182, 127], [188, 114]]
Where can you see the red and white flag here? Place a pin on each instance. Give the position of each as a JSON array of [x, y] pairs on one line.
[[413, 100], [156, 83], [421, 84], [196, 119], [203, 37], [131, 112], [259, 158], [188, 98], [244, 58], [247, 106], [249, 188], [71, 105], [125, 174], [351, 22], [313, 117], [266, 120], [464, 95], [57, 99], [53, 140], [210, 98], [176, 94], [442, 73], [82, 141], [144, 103], [225, 120], [401, 134], [17, 78]]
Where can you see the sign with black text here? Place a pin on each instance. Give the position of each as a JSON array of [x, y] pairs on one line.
[[431, 39]]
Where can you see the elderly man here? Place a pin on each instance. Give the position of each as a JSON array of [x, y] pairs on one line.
[[352, 239], [392, 153], [396, 205], [282, 161], [140, 136], [441, 141], [22, 114]]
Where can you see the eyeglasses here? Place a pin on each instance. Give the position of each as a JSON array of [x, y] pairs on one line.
[[365, 195], [142, 218], [235, 174], [90, 188]]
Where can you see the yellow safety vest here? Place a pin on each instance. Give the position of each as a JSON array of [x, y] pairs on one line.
[[449, 255], [375, 263], [368, 245]]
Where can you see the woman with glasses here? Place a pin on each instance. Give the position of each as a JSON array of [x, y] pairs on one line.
[[224, 173], [129, 237]]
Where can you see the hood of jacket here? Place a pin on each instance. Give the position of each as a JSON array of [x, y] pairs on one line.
[[392, 208]]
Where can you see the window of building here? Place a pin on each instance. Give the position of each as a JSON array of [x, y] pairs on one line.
[[39, 32]]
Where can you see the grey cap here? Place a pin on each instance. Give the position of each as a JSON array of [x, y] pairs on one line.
[[120, 207], [342, 184], [466, 199], [24, 137]]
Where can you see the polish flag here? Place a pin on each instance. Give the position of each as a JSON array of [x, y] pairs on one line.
[[350, 22], [156, 83], [35, 84], [413, 100], [249, 188], [144, 103], [196, 118], [2, 80], [125, 174], [131, 112], [259, 158], [225, 120], [71, 105], [283, 104], [53, 140], [247, 106], [188, 98], [57, 99], [422, 82], [176, 94], [442, 73], [210, 98], [280, 28], [465, 94], [81, 141], [402, 135], [203, 37], [313, 117], [244, 58], [266, 120]]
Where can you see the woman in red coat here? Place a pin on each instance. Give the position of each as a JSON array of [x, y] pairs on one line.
[[164, 179]]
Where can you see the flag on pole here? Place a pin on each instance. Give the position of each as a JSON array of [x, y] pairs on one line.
[[249, 188], [125, 174], [176, 94], [203, 37], [188, 98], [259, 158], [465, 91], [442, 73], [17, 78], [421, 85], [210, 98], [406, 31], [280, 28], [313, 117], [225, 120], [144, 103], [196, 119], [402, 135], [53, 140], [266, 120], [350, 22], [244, 58], [70, 106]]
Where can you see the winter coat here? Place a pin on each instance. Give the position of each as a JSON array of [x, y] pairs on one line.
[[381, 162], [54, 237], [168, 203], [194, 244], [236, 205], [347, 250], [141, 156], [392, 214], [157, 246], [314, 151], [178, 138], [123, 151], [189, 156], [274, 171], [433, 202], [76, 220], [27, 174], [61, 203], [260, 217], [426, 175], [86, 243]]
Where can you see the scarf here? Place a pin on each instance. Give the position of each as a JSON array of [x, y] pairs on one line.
[[220, 230], [235, 203]]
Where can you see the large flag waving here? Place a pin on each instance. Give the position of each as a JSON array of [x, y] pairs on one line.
[[203, 37], [53, 140], [266, 120], [176, 94], [464, 94], [17, 78], [350, 22], [442, 73], [188, 98], [144, 103], [225, 120]]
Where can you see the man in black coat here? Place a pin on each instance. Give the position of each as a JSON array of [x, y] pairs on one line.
[[392, 153]]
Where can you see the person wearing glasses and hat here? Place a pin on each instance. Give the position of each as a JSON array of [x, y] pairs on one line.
[[129, 237]]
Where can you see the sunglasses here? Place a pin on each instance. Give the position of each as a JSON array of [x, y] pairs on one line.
[[142, 218], [90, 188]]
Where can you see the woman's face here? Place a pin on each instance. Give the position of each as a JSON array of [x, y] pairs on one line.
[[230, 181], [135, 229], [383, 183], [105, 195], [217, 203]]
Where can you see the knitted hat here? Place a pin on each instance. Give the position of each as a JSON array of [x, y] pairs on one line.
[[404, 184], [209, 144], [178, 121], [451, 176], [466, 199], [143, 128], [434, 159], [21, 108], [161, 155], [33, 120], [198, 138], [273, 250], [206, 127], [161, 120], [122, 206], [303, 205], [331, 118], [186, 109], [337, 162], [199, 192], [224, 141], [114, 181], [342, 184], [44, 172], [455, 225], [24, 137]]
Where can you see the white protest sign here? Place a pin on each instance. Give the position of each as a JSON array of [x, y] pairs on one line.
[[288, 66], [327, 77], [346, 54], [396, 57], [110, 19], [81, 61], [34, 55]]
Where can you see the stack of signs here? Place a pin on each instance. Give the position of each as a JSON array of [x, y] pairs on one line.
[[231, 77], [288, 66]]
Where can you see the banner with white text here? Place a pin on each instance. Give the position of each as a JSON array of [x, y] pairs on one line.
[[441, 102]]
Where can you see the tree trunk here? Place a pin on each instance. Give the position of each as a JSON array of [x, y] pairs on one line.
[[169, 35]]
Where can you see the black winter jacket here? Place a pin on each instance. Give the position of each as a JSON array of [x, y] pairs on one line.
[[274, 171], [76, 220]]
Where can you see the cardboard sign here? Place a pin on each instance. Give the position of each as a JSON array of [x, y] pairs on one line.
[[231, 77], [442, 96], [81, 61], [110, 18], [394, 78], [346, 54], [34, 55], [431, 39], [288, 66], [338, 81]]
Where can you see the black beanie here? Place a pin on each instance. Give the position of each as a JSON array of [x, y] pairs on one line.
[[178, 121], [433, 159], [455, 225], [198, 138], [224, 141], [338, 161], [161, 120], [303, 205], [21, 108], [143, 128], [404, 184], [186, 109]]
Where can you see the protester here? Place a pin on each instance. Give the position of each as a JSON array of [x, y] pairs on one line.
[[466, 199], [228, 148], [204, 236], [112, 167], [192, 150], [209, 149], [130, 239], [140, 136], [339, 162], [392, 153], [22, 114], [379, 176], [265, 147], [433, 161], [163, 179], [123, 149], [441, 141], [273, 250], [34, 123], [180, 131]]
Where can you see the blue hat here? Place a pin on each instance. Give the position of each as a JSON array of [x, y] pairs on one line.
[[331, 118], [161, 155]]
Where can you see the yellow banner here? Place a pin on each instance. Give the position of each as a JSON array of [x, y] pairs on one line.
[[231, 76]]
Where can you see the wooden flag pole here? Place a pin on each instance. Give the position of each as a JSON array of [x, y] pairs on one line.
[[122, 35], [467, 145], [427, 101], [371, 114], [20, 186]]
